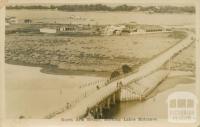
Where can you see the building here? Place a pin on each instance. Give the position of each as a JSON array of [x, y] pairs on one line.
[[151, 28], [27, 21], [131, 27], [167, 28], [141, 30], [114, 29], [48, 30], [68, 28], [147, 29]]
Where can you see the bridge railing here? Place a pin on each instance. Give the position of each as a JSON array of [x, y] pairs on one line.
[[94, 83], [88, 89]]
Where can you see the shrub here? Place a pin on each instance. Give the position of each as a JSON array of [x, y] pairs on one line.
[[21, 117], [114, 74], [126, 69]]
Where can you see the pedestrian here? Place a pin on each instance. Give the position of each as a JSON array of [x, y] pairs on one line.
[[120, 83], [85, 94], [98, 87], [67, 106]]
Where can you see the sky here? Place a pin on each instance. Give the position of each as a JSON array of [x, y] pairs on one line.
[[146, 2]]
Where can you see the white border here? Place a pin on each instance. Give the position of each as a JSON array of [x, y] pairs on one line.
[[56, 123], [197, 56], [2, 76]]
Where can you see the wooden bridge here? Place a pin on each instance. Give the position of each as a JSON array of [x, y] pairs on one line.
[[96, 104]]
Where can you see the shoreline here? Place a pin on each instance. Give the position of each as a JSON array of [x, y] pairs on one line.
[[54, 70]]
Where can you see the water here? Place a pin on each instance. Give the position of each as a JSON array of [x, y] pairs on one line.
[[52, 16], [149, 108], [34, 94]]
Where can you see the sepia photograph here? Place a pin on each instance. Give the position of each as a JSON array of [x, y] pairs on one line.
[[123, 60]]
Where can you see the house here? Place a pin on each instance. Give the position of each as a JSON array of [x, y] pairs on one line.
[[114, 29], [131, 27], [149, 28], [78, 29], [133, 31], [167, 28], [154, 28], [141, 30], [67, 28], [149, 11], [27, 21], [48, 30]]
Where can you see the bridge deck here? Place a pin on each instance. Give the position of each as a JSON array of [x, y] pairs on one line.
[[89, 102]]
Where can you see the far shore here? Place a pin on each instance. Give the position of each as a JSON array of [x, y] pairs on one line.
[[137, 12]]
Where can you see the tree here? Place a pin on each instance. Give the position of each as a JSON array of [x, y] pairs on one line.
[[114, 74], [126, 69], [21, 117]]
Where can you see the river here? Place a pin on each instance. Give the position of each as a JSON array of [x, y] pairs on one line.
[[52, 16], [156, 105], [33, 94]]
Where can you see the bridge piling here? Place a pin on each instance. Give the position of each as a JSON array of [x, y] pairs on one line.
[[113, 99], [108, 102]]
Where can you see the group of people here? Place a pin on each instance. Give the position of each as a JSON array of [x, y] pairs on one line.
[[119, 84]]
